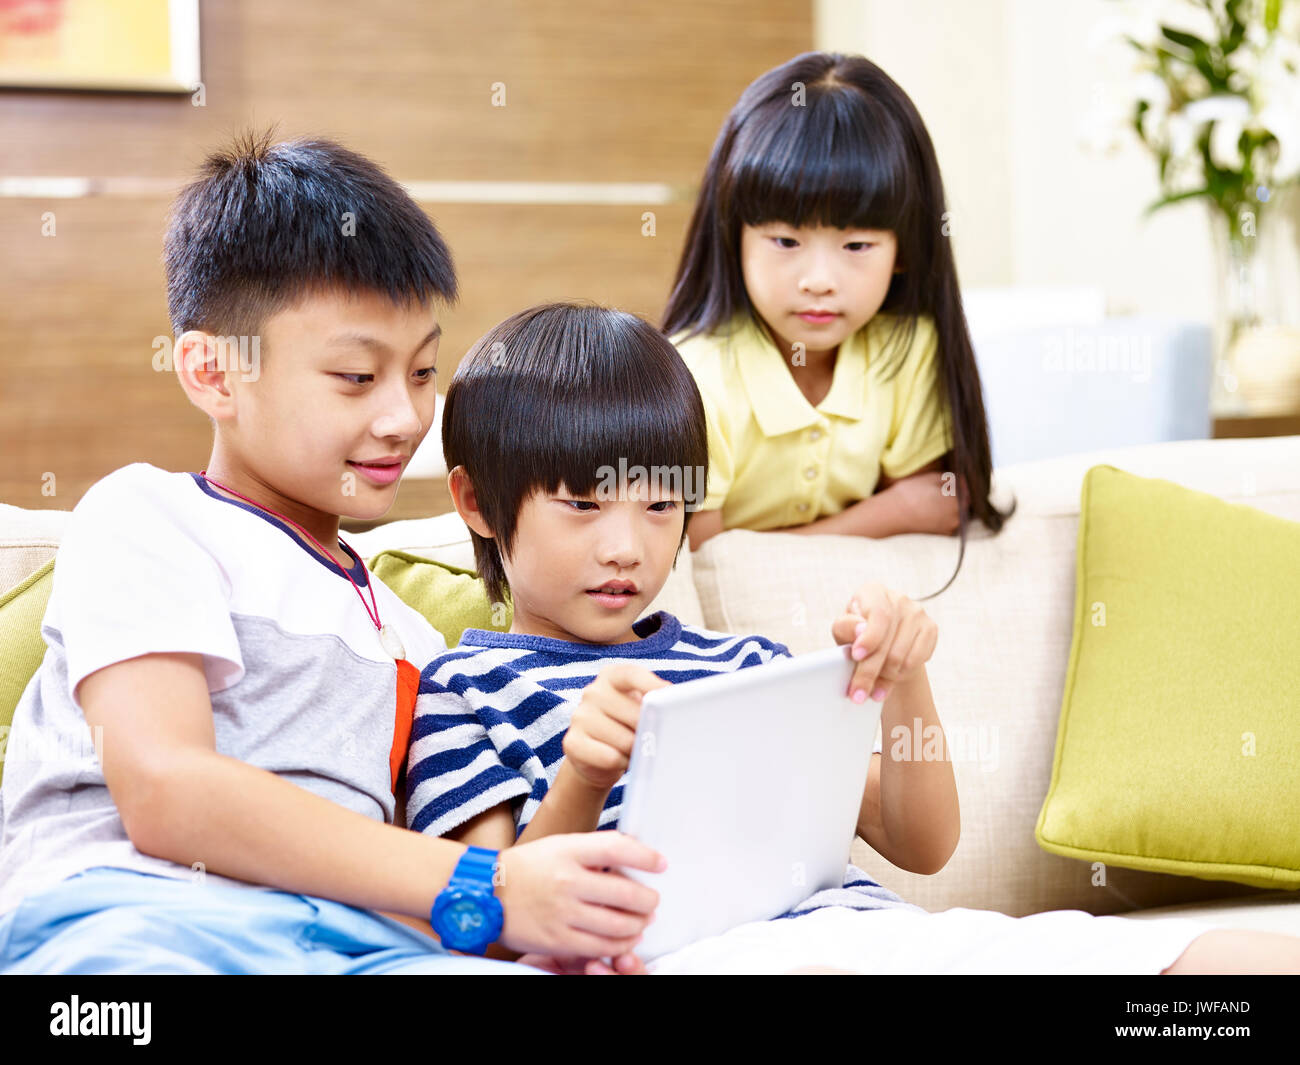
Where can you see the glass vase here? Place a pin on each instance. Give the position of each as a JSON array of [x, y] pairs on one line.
[[1257, 341]]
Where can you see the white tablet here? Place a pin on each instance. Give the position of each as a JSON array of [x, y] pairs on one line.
[[749, 784]]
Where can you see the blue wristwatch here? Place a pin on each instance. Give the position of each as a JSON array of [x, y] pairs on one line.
[[466, 914]]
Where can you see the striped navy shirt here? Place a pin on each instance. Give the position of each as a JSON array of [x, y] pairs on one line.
[[491, 715]]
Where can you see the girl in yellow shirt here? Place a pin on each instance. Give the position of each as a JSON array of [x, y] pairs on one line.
[[816, 304]]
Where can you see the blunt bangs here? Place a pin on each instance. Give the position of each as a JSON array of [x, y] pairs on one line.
[[836, 161]]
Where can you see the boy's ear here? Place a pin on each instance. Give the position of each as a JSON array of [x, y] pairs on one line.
[[462, 494], [194, 358]]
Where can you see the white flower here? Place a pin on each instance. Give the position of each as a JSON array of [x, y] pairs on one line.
[[1276, 97], [1151, 87], [1284, 124], [1288, 23], [1181, 15], [1229, 115], [1182, 135], [1263, 94]]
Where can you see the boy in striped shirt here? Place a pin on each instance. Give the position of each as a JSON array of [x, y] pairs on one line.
[[527, 733]]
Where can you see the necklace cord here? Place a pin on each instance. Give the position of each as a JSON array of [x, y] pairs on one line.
[[373, 615]]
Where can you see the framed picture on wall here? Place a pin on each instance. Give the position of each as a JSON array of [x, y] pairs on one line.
[[112, 45]]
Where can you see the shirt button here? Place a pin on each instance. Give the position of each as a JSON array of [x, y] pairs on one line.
[[810, 473], [801, 507], [814, 434]]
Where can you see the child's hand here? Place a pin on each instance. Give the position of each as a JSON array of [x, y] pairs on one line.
[[892, 640], [599, 742], [623, 965], [920, 504], [562, 899]]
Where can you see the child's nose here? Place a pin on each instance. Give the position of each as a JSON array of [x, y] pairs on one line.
[[620, 544], [817, 277], [400, 417], [622, 553]]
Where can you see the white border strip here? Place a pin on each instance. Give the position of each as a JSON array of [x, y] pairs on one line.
[[517, 192], [606, 192], [183, 26], [45, 188]]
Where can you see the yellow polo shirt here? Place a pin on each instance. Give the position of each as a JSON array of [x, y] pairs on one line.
[[775, 460]]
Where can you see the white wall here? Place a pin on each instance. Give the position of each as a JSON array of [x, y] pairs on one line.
[[1004, 87]]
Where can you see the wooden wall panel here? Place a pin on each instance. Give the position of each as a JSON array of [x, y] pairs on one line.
[[596, 91], [79, 395]]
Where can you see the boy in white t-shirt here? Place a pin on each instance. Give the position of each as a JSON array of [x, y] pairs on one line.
[[206, 772]]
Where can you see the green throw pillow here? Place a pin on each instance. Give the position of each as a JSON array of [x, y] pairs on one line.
[[21, 612], [1178, 749], [451, 598]]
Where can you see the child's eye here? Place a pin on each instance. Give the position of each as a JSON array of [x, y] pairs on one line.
[[580, 505], [350, 377], [665, 506], [427, 373], [859, 245], [785, 242]]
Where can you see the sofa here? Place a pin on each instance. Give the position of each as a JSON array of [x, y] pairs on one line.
[[997, 674]]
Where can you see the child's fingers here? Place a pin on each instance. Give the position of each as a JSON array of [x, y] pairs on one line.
[[586, 944], [868, 598], [631, 678], [629, 965], [603, 731], [895, 665], [863, 682], [619, 706], [844, 629], [607, 922], [619, 893], [864, 631], [594, 754], [597, 850]]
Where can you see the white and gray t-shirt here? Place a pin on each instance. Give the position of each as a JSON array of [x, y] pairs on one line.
[[154, 561]]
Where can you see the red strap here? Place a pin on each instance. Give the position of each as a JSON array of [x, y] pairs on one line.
[[408, 684]]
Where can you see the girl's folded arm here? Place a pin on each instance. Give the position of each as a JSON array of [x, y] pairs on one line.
[[703, 525], [884, 481], [890, 511]]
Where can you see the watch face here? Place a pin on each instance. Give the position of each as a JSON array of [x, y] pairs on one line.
[[466, 921], [466, 918]]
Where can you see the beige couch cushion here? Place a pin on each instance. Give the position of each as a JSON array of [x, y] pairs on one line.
[[28, 540], [999, 668], [1272, 912]]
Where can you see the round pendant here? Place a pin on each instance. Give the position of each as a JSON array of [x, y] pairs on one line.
[[388, 637]]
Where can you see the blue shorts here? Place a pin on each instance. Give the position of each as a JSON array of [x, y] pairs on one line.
[[110, 921]]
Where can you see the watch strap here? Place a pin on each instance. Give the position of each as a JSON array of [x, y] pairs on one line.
[[475, 869]]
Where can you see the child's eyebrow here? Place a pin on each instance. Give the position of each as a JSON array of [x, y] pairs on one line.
[[365, 340]]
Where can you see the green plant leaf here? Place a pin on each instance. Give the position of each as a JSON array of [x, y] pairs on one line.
[[1188, 40], [1141, 109], [1176, 197]]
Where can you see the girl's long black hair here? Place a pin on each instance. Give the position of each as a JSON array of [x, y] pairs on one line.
[[829, 139]]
